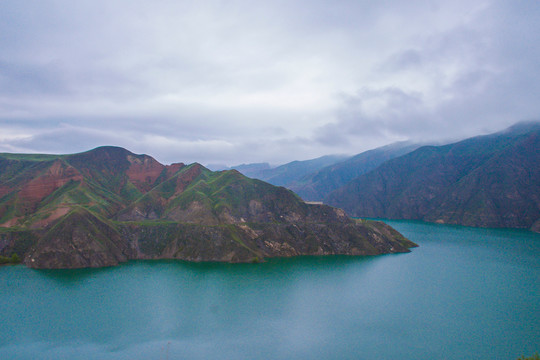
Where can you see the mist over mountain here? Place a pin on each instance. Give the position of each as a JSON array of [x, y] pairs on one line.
[[285, 174], [255, 170]]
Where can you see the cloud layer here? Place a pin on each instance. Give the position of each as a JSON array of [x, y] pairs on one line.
[[249, 81]]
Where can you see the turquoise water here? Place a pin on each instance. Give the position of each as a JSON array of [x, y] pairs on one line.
[[465, 293]]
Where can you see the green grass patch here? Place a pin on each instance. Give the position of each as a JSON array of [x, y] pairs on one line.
[[130, 192], [13, 259]]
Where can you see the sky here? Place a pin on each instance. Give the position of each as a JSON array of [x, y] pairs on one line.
[[231, 82]]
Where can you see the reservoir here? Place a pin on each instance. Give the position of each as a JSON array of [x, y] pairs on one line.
[[464, 293]]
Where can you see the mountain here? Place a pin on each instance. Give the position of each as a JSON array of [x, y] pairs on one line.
[[485, 181], [287, 174], [317, 185], [255, 170], [108, 205]]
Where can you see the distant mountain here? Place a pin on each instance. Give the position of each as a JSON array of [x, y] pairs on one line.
[[317, 185], [486, 181], [108, 205], [287, 174], [254, 171]]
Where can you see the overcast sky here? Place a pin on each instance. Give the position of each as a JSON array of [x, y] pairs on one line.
[[251, 81]]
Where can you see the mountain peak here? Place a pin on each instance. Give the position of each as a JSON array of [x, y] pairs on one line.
[[110, 150]]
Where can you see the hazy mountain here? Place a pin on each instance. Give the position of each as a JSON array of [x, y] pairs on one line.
[[487, 181], [317, 185], [108, 205], [254, 170], [287, 174]]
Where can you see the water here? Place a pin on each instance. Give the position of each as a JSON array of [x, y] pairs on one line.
[[464, 293]]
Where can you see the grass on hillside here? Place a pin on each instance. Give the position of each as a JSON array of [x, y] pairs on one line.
[[13, 259]]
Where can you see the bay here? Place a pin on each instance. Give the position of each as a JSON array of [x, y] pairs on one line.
[[464, 293]]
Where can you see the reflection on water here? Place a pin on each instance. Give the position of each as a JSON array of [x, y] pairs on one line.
[[463, 291]]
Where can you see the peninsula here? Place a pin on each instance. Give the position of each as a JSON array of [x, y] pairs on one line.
[[108, 205]]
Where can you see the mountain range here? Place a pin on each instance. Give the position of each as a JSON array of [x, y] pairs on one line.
[[108, 205], [286, 174], [485, 181], [314, 179]]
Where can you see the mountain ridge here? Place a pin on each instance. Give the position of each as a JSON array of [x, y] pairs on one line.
[[317, 185], [288, 173]]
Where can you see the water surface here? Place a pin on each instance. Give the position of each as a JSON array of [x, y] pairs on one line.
[[464, 293]]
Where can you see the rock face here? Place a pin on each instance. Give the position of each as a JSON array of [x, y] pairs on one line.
[[487, 181], [78, 240], [108, 205]]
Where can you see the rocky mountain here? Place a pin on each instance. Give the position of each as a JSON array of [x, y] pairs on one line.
[[108, 205], [486, 181], [317, 185]]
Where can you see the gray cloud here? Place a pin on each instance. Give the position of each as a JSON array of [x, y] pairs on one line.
[[476, 78], [403, 60], [247, 81]]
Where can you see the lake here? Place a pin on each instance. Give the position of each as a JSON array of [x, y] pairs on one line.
[[464, 293]]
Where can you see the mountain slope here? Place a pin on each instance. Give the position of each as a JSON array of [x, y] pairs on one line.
[[109, 205], [37, 189], [79, 239], [487, 181], [316, 186]]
